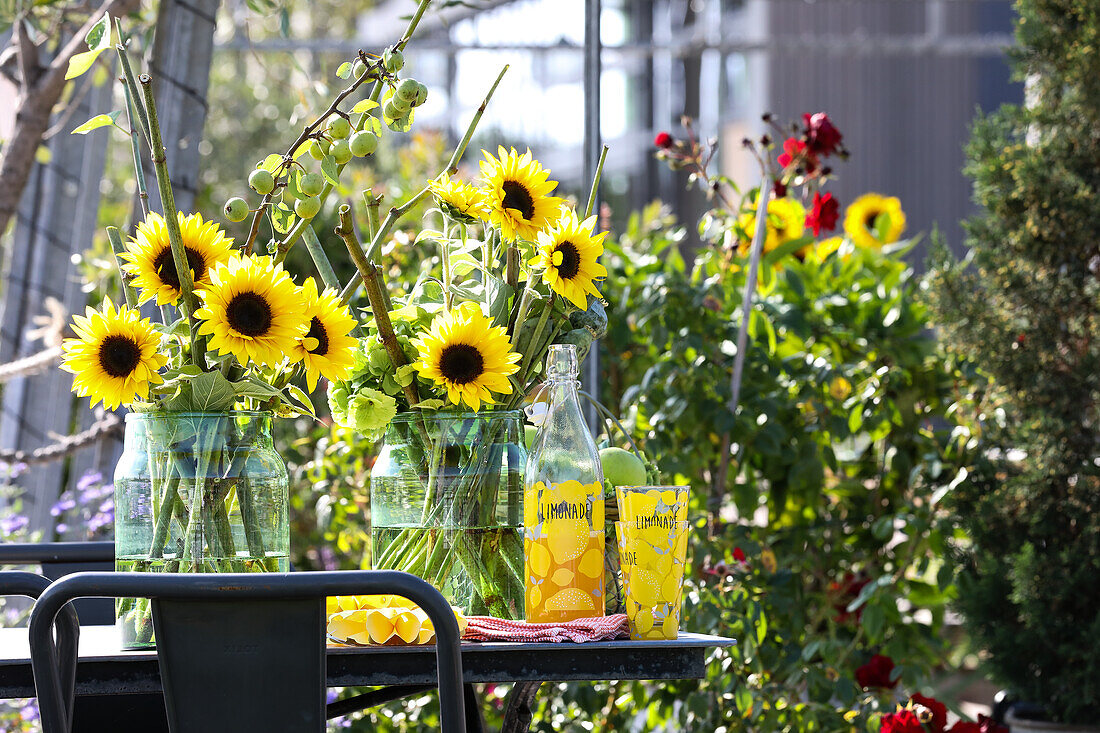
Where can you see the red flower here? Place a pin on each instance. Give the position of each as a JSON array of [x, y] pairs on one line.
[[795, 150], [903, 721], [821, 135], [984, 725], [938, 710], [824, 213], [663, 140], [738, 554], [876, 673], [845, 591]]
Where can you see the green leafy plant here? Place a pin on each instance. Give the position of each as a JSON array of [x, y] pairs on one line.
[[1021, 312]]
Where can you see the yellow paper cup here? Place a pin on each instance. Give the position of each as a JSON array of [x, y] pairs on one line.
[[652, 560], [647, 504]]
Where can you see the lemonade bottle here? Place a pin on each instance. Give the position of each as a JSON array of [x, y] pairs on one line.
[[563, 537]]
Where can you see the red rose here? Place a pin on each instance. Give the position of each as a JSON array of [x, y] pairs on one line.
[[937, 708], [821, 135], [876, 673], [965, 726], [779, 188], [795, 150], [903, 721], [823, 214], [663, 140], [738, 554]]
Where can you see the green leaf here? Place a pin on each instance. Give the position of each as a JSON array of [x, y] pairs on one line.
[[293, 185], [99, 37], [364, 105], [300, 399], [271, 163], [80, 63], [97, 122], [282, 217], [405, 374], [329, 170], [403, 124], [344, 71]]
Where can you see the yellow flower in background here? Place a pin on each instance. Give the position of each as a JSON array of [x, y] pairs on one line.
[[820, 251], [148, 255], [115, 358], [327, 348], [466, 355], [253, 310], [786, 221], [460, 200], [862, 220], [517, 194], [568, 254]]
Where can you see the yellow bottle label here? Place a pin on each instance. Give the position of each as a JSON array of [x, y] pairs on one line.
[[563, 546]]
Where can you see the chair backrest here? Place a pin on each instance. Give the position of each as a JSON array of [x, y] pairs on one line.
[[58, 559], [32, 585], [243, 652]]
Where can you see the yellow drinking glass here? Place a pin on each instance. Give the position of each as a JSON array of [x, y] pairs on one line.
[[652, 561], [646, 504]]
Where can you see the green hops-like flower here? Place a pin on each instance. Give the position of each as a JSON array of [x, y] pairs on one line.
[[407, 89], [339, 127], [236, 209], [341, 151], [307, 208], [363, 143], [311, 184], [261, 181], [369, 409], [393, 60]]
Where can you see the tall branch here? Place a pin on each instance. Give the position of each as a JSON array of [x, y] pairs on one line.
[[34, 104]]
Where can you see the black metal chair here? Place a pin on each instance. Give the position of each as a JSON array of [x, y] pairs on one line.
[[32, 585], [241, 652], [58, 559]]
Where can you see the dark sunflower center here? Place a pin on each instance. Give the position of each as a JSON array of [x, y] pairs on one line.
[[166, 266], [570, 260], [118, 355], [517, 197], [461, 363], [317, 331], [249, 314], [869, 220]]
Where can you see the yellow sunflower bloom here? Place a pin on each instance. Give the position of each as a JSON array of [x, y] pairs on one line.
[[863, 222], [786, 221], [466, 355], [253, 310], [149, 260], [460, 200], [569, 254], [819, 251], [326, 350], [517, 194], [116, 356]]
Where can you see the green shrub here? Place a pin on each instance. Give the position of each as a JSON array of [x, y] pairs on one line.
[[1022, 310]]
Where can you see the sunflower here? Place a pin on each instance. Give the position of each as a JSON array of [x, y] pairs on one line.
[[463, 353], [864, 223], [569, 253], [115, 358], [326, 350], [149, 260], [820, 251], [252, 309], [786, 221], [460, 200], [517, 194]]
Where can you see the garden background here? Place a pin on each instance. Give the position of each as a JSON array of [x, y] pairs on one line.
[[825, 544]]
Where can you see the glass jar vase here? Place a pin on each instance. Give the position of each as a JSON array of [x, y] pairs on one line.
[[446, 498], [197, 492]]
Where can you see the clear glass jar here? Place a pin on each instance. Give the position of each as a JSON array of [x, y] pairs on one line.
[[197, 492], [564, 505], [446, 498]]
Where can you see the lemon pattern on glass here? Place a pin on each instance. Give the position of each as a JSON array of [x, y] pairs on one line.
[[563, 548], [652, 563]]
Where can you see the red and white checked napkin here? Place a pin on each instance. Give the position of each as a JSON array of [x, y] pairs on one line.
[[602, 628]]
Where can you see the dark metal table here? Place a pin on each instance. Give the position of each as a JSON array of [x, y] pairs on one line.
[[104, 669]]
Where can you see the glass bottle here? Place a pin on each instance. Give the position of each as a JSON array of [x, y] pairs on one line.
[[563, 505]]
